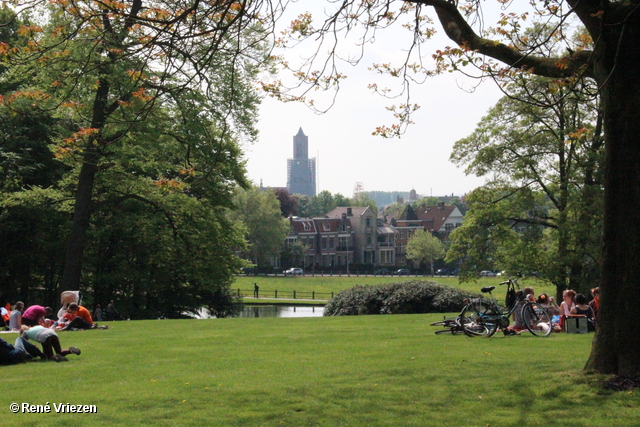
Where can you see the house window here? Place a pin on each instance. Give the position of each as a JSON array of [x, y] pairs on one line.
[[324, 242], [343, 243], [331, 243], [402, 234], [386, 257], [448, 226]]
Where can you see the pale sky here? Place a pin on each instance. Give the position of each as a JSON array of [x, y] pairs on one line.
[[348, 153]]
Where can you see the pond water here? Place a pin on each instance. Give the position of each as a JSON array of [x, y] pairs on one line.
[[281, 311], [273, 311]]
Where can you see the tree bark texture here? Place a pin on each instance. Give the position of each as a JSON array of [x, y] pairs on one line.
[[616, 347]]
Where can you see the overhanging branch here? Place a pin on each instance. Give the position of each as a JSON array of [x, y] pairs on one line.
[[459, 31]]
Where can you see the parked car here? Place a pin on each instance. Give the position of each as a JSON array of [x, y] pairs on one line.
[[382, 272], [293, 272], [247, 270], [402, 272], [443, 272], [487, 273]]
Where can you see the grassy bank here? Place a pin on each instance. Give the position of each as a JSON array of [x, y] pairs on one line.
[[325, 285], [345, 371]]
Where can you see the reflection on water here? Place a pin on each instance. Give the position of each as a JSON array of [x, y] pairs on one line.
[[281, 311]]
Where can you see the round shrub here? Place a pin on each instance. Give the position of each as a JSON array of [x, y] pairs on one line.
[[413, 296]]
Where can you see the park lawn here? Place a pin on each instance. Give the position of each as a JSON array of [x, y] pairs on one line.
[[386, 370], [323, 286]]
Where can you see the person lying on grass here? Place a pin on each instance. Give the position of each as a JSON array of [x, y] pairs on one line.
[[21, 352], [49, 340]]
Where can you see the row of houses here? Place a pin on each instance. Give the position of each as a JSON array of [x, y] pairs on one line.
[[355, 235]]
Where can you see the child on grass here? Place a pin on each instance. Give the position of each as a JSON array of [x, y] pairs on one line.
[[49, 341]]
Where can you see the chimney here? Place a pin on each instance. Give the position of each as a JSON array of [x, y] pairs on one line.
[[349, 212], [441, 205]]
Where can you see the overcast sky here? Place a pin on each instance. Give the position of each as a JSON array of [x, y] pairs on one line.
[[342, 140]]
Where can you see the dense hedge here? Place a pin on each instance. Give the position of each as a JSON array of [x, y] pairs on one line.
[[414, 296]]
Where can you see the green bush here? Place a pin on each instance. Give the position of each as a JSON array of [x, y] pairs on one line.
[[413, 296]]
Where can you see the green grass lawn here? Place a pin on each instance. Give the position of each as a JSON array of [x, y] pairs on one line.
[[324, 285], [337, 371]]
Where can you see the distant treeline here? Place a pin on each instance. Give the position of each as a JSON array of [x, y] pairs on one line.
[[384, 198]]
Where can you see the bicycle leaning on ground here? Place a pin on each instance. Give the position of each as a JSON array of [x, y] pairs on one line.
[[483, 316]]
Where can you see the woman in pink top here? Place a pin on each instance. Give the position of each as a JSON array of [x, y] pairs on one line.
[[35, 314]]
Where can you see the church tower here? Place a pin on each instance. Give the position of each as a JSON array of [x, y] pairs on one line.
[[301, 170]]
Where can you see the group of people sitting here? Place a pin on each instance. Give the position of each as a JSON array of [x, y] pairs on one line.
[[71, 317], [35, 324], [573, 304], [576, 304]]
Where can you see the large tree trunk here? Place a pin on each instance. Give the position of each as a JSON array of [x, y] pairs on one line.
[[72, 273], [616, 346]]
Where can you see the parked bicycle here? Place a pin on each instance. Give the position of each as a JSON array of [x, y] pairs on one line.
[[484, 317]]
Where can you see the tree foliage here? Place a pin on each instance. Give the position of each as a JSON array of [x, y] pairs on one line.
[[113, 69], [425, 247], [259, 214], [543, 149], [143, 105]]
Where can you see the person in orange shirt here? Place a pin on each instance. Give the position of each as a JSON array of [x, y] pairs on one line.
[[79, 317]]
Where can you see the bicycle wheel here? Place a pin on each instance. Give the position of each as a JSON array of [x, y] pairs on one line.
[[536, 319], [473, 324]]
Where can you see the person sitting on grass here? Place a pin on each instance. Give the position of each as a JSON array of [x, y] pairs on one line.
[[523, 297], [582, 308], [49, 341], [79, 318], [549, 304], [595, 302], [568, 301], [15, 320]]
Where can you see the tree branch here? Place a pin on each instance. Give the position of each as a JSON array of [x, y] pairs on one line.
[[458, 30]]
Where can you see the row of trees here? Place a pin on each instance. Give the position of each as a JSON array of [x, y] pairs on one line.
[[119, 149], [319, 205]]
